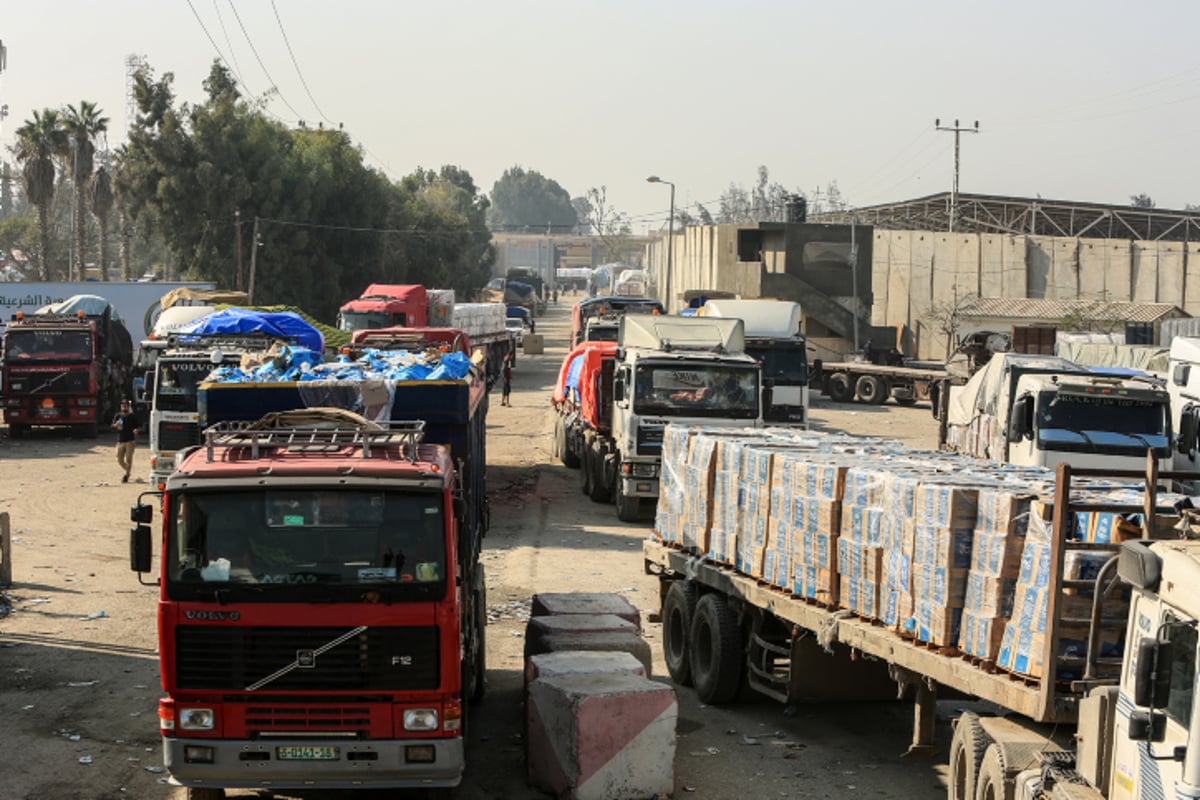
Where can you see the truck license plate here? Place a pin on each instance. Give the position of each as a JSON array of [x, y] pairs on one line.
[[47, 412], [306, 753]]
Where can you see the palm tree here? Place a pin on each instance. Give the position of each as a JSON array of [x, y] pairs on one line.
[[38, 140], [100, 198], [82, 125]]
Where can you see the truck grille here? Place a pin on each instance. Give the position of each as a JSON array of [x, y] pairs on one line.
[[649, 441], [306, 717], [378, 659], [174, 436], [39, 383]]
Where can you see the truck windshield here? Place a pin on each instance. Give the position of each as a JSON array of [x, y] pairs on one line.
[[1100, 423], [696, 390], [343, 539], [785, 364], [363, 320], [48, 345], [177, 382]]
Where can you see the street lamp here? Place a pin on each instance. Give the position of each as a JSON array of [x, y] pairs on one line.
[[670, 235]]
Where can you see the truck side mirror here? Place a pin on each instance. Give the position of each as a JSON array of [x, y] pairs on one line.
[[141, 552], [460, 508], [142, 512], [1181, 373], [1187, 430], [1152, 678], [1020, 422], [619, 390]]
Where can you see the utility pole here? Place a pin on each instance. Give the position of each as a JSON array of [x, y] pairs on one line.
[[956, 129], [237, 225], [254, 245]]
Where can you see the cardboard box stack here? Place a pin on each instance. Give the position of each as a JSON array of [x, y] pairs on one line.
[[860, 545], [941, 555], [672, 492], [808, 501]]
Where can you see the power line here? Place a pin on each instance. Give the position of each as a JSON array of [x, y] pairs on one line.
[[229, 43], [258, 58], [296, 64]]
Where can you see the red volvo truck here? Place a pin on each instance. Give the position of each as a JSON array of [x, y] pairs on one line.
[[322, 608], [64, 370]]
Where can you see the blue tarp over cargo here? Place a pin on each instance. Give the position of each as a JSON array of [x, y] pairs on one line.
[[239, 322], [301, 364]]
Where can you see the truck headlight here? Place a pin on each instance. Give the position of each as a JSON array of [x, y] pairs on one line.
[[645, 470], [420, 719], [196, 719]]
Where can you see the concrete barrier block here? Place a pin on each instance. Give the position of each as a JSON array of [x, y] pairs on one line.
[[540, 627], [554, 604], [605, 641], [581, 662], [601, 737]]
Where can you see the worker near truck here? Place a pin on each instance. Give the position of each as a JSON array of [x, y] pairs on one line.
[[126, 426]]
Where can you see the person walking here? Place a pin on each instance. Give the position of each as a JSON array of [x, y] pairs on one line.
[[126, 426], [507, 377]]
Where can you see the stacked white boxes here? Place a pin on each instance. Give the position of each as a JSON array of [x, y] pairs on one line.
[[479, 319]]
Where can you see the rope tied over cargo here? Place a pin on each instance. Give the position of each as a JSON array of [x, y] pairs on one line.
[[827, 632]]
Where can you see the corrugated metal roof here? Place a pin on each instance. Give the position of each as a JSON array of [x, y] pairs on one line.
[[1100, 310]]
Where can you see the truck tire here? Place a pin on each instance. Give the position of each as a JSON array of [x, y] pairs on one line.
[[205, 793], [871, 389], [18, 430], [993, 782], [479, 660], [679, 607], [967, 746], [569, 459], [629, 509], [715, 651], [89, 430], [839, 388], [585, 472], [905, 400]]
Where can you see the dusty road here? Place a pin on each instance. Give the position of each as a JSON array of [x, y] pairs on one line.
[[79, 672]]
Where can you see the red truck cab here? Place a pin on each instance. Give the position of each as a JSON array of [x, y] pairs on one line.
[[385, 306], [310, 614]]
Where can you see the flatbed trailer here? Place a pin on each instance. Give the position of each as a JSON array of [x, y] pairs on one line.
[[847, 381], [779, 629]]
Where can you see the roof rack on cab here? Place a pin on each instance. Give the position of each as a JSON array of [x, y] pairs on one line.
[[317, 436]]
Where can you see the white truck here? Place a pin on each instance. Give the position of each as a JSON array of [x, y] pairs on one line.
[[664, 369], [1100, 702], [1183, 387], [773, 337], [1033, 410]]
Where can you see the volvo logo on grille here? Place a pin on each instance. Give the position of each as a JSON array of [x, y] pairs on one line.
[[306, 659], [402, 661]]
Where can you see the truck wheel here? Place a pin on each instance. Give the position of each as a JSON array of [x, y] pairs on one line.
[[967, 747], [601, 491], [629, 509], [679, 606], [905, 400], [88, 430], [993, 782], [205, 793], [839, 388], [585, 472], [569, 459], [18, 430], [479, 661], [871, 390], [715, 650]]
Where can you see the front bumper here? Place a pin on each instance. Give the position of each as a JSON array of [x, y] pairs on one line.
[[634, 486], [381, 764]]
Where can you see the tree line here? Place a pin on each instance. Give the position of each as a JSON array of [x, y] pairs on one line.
[[220, 186]]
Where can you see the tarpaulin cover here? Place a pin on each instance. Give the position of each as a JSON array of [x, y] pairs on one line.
[[235, 321], [114, 336], [576, 378], [91, 305], [302, 364]]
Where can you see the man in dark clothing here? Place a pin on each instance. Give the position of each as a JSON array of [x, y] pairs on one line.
[[126, 426], [507, 377]]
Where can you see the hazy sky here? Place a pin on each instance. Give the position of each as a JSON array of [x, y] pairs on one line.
[[1088, 101]]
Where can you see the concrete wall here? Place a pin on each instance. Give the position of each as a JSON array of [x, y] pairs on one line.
[[914, 271]]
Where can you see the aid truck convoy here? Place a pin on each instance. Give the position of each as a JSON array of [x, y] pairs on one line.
[[663, 369], [322, 606], [1092, 664], [1033, 410], [598, 318], [773, 337], [65, 369]]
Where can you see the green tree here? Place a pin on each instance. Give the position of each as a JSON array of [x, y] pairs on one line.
[[610, 225], [82, 125], [39, 140], [100, 199], [528, 201], [1141, 200]]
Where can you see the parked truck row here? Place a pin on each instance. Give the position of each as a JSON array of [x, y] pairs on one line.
[[840, 568], [322, 607]]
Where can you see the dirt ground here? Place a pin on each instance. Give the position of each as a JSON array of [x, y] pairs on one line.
[[79, 677]]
